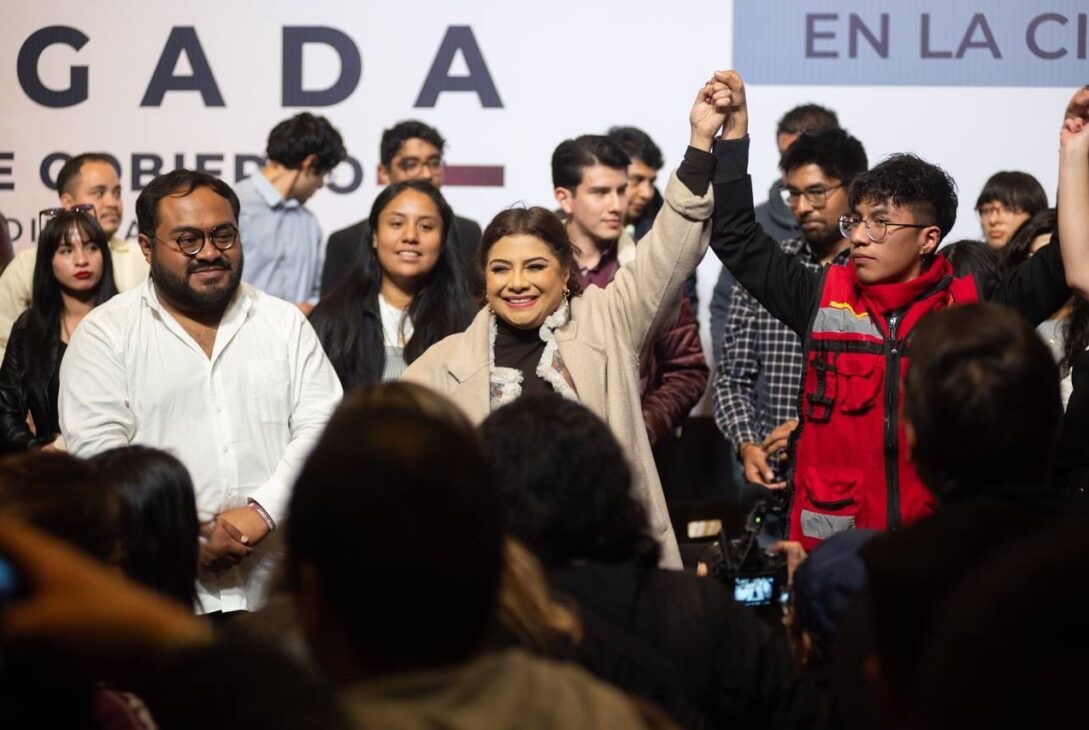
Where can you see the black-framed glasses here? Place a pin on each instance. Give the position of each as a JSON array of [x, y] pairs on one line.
[[48, 214], [876, 230], [411, 166], [997, 208], [817, 195], [191, 240]]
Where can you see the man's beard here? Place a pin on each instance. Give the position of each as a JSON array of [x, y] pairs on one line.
[[183, 296]]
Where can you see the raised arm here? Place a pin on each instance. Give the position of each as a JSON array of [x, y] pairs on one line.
[[643, 297], [776, 280], [1073, 200]]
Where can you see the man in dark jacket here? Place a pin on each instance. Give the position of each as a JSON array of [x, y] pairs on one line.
[[410, 150], [590, 175]]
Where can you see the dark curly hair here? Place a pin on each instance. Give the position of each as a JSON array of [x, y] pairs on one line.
[[836, 153], [293, 140], [566, 484], [911, 182]]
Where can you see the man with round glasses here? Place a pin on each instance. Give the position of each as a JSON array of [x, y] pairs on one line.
[[229, 379], [90, 182], [850, 465]]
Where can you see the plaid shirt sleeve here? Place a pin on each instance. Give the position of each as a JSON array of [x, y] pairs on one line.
[[738, 368]]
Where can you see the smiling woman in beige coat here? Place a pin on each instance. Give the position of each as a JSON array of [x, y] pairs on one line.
[[538, 332]]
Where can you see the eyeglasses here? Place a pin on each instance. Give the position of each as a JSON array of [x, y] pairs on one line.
[[816, 195], [191, 241], [48, 214], [876, 230], [411, 166], [989, 209]]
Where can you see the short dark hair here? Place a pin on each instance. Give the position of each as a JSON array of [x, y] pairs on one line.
[[638, 145], [1016, 190], [69, 172], [807, 118], [970, 257], [1017, 251], [566, 483], [391, 485], [836, 153], [912, 182], [293, 140], [399, 133], [178, 183], [981, 380], [540, 223], [159, 524], [64, 496], [573, 155]]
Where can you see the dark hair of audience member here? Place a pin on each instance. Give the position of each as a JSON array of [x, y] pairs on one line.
[[573, 155], [159, 524], [566, 484], [1018, 191], [909, 182], [971, 257], [43, 323], [67, 497], [293, 140], [441, 306], [982, 380], [1009, 649], [177, 184], [1018, 250], [638, 145], [543, 225], [398, 134], [834, 151], [69, 172], [397, 517], [807, 118]]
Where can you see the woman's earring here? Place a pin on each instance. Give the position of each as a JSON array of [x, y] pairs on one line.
[[567, 295]]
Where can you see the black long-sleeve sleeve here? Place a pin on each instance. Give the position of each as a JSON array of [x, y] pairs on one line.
[[15, 435], [1037, 288], [777, 280]]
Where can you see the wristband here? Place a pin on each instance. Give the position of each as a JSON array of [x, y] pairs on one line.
[[252, 504]]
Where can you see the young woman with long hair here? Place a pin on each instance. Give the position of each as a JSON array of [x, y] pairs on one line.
[[73, 274], [406, 291]]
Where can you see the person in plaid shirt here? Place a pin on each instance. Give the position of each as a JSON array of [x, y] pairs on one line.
[[760, 366]]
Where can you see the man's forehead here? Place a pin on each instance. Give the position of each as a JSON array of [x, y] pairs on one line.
[[416, 147], [201, 207], [803, 176], [97, 172], [603, 176]]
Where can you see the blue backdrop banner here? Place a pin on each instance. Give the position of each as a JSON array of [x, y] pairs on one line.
[[913, 42]]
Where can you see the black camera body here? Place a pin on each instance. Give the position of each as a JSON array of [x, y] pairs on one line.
[[754, 577]]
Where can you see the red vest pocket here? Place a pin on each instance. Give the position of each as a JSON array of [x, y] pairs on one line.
[[860, 380]]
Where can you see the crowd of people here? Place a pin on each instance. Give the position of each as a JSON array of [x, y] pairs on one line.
[[406, 479]]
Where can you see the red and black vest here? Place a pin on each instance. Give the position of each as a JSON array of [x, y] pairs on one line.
[[850, 460]]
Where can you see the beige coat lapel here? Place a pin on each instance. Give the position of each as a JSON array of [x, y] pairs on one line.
[[468, 377], [586, 362]]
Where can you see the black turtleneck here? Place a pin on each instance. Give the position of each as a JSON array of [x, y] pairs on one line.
[[521, 349]]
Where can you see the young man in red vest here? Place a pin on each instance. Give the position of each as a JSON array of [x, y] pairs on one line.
[[850, 461]]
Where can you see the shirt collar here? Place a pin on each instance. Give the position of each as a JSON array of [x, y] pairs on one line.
[[270, 194]]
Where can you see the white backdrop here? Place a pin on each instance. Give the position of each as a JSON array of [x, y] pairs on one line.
[[560, 69]]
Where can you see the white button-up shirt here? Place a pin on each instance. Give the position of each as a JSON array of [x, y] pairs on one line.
[[242, 421]]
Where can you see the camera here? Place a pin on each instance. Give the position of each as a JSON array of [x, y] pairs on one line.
[[754, 577]]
